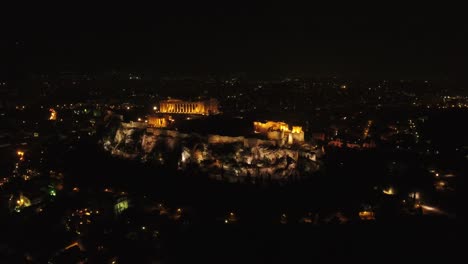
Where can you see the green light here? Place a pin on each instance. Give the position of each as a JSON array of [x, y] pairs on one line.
[[121, 206], [52, 192]]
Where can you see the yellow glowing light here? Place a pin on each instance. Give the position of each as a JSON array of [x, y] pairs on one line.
[[296, 129], [20, 154], [53, 114], [432, 209], [389, 191], [71, 245], [367, 215]]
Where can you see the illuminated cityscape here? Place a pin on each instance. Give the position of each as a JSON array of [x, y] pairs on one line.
[[216, 135]]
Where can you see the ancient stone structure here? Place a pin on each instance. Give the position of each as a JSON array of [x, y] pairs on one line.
[[175, 106], [220, 157], [155, 121], [280, 132]]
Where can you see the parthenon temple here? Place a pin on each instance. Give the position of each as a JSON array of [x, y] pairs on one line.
[[175, 106]]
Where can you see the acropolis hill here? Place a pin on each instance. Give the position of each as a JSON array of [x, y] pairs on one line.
[[272, 150]]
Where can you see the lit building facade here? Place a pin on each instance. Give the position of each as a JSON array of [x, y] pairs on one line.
[[175, 106]]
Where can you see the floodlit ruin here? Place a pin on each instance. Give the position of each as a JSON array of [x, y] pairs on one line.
[[155, 121], [280, 132], [221, 157], [176, 106]]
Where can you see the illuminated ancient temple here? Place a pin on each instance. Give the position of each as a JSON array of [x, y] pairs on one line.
[[175, 106]]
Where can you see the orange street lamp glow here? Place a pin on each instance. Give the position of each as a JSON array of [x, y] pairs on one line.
[[53, 114]]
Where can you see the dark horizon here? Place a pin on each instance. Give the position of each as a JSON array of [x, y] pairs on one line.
[[260, 41]]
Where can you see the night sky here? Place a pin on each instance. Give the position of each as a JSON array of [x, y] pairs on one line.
[[259, 40]]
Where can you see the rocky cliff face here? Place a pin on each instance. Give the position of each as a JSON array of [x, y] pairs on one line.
[[234, 158]]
